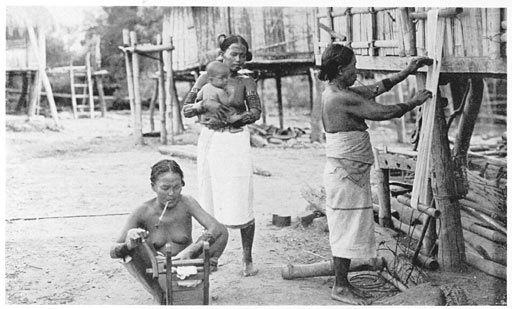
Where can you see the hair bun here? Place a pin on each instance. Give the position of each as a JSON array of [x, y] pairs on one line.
[[220, 39]]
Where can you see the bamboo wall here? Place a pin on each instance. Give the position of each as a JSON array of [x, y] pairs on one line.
[[472, 33], [18, 55], [271, 32]]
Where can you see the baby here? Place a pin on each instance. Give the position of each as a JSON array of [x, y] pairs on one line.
[[215, 90]]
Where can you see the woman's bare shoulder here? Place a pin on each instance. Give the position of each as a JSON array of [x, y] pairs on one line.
[[344, 97]]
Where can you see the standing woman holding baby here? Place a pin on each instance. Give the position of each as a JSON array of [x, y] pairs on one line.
[[224, 160]]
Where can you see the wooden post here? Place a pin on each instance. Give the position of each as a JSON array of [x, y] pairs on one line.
[[41, 36], [316, 112], [451, 253], [139, 138], [383, 194], [98, 77], [382, 182], [44, 77], [263, 105], [429, 241], [129, 73], [73, 94], [279, 100], [169, 80], [161, 94], [152, 107], [35, 93], [89, 84], [22, 100], [101, 95], [409, 34]]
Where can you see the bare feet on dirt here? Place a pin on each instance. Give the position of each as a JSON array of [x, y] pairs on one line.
[[346, 295], [248, 269]]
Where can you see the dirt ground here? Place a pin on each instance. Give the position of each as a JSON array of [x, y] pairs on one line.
[[82, 181]]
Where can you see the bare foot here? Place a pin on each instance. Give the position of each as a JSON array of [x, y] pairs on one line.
[[248, 270], [345, 295]]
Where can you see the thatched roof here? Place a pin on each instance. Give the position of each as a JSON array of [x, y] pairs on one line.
[[18, 17]]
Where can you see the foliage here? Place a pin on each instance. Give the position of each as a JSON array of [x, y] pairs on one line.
[[145, 21]]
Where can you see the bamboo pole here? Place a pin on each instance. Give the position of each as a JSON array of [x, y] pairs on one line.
[[436, 31], [435, 213], [420, 34], [383, 194], [409, 35], [137, 128], [161, 94], [89, 84], [489, 234], [494, 32], [293, 271], [401, 33], [44, 77], [488, 249], [407, 214], [430, 239], [129, 73], [488, 267], [485, 218]]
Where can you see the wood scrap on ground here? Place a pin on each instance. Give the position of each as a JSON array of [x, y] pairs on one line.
[[190, 152], [263, 134]]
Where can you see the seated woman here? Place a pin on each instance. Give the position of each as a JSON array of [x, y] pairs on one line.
[[166, 218]]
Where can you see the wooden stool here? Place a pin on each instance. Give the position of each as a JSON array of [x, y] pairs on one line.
[[193, 288]]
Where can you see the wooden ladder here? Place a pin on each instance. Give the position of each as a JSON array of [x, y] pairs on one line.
[[82, 88]]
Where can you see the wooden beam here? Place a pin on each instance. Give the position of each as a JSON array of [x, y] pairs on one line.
[[447, 12], [44, 77], [459, 65], [147, 48]]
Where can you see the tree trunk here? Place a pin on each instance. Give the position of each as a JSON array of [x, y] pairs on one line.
[[464, 133], [451, 254]]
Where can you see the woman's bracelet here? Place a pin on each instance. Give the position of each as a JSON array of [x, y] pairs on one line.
[[120, 251]]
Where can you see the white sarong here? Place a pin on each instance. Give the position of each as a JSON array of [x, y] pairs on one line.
[[224, 166], [349, 207]]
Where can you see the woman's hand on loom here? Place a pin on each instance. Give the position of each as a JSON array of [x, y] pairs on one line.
[[134, 237], [420, 97], [417, 63]]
